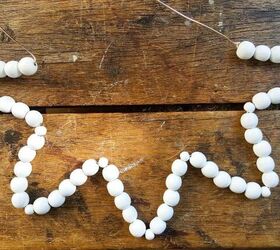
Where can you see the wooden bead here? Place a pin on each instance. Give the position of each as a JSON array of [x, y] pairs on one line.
[[262, 149], [35, 142], [110, 173], [130, 214], [6, 104], [27, 66], [266, 192], [115, 187], [122, 201], [26, 154], [249, 120], [157, 225], [274, 95], [20, 200], [22, 169], [2, 69], [56, 199], [34, 118], [29, 210], [11, 69], [90, 167], [265, 164], [245, 50], [238, 185], [210, 170], [262, 53], [198, 160], [165, 212], [275, 54], [18, 184], [222, 180], [249, 107], [41, 131], [41, 206], [173, 182], [19, 110], [149, 235], [253, 191], [261, 100], [253, 135], [77, 177], [171, 198], [179, 167], [66, 188], [137, 228], [270, 179], [103, 162]]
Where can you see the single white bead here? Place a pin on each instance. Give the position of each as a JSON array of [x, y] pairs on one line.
[[27, 66], [210, 170], [262, 53], [41, 206], [266, 192], [253, 190], [22, 169], [261, 100], [270, 179], [103, 162], [110, 173], [29, 209], [90, 167], [19, 184], [6, 104], [171, 198], [19, 110], [274, 95], [249, 120], [173, 182], [41, 131], [275, 54], [149, 235], [262, 149], [11, 69], [238, 185], [249, 107], [137, 228], [122, 201], [26, 154], [179, 167], [34, 118], [165, 212], [157, 225], [184, 156], [222, 180], [265, 164], [35, 142], [20, 200], [245, 50], [2, 69], [66, 188], [56, 199], [77, 177], [115, 187], [253, 135], [198, 160], [130, 214]]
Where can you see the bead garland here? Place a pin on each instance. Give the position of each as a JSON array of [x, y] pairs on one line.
[[115, 187]]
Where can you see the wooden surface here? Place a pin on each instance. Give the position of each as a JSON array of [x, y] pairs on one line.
[[132, 81]]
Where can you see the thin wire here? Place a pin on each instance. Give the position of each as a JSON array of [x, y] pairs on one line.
[[28, 51], [197, 22]]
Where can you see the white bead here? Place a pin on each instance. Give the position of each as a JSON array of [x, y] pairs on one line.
[[34, 118], [184, 156], [270, 179], [26, 154], [157, 225], [249, 120], [262, 53], [66, 188], [165, 212], [173, 182], [130, 214], [90, 167], [179, 167], [115, 187], [171, 198], [261, 100], [274, 95], [22, 169], [35, 142], [122, 201], [41, 131], [198, 160], [210, 170], [56, 199], [262, 149], [19, 110], [11, 69], [18, 184], [238, 185], [77, 177], [266, 192], [110, 173], [2, 69], [41, 206], [245, 50], [149, 235], [249, 107], [29, 209], [253, 135], [253, 190], [6, 104], [103, 162], [265, 164], [222, 180], [137, 228], [27, 66], [20, 200], [275, 54]]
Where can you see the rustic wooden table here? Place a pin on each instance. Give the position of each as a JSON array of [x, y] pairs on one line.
[[132, 81]]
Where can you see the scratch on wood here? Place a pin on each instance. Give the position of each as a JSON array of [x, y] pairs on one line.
[[131, 166], [104, 55]]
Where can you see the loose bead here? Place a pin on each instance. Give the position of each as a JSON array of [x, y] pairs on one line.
[[165, 212], [19, 184], [122, 201], [2, 69], [198, 160], [179, 167], [77, 177], [262, 53], [137, 228], [149, 235], [222, 180], [157, 225], [19, 110], [110, 173], [265, 164], [270, 179], [41, 131], [173, 182], [115, 187], [266, 192], [56, 199], [210, 170], [103, 162], [274, 95], [6, 104], [20, 200], [22, 169], [184, 156], [238, 185], [11, 69], [27, 66], [29, 210], [275, 54], [253, 135], [171, 198], [36, 142], [253, 190], [41, 206], [261, 100], [34, 118], [66, 188], [249, 120], [130, 214], [249, 107], [26, 154], [90, 167], [245, 50], [262, 149]]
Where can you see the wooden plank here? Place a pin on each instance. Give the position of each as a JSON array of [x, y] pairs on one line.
[[137, 52], [146, 144]]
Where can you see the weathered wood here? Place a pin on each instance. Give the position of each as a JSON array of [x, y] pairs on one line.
[[146, 143], [136, 52]]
